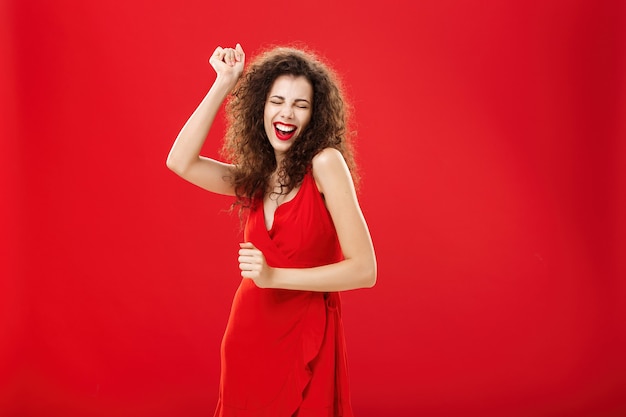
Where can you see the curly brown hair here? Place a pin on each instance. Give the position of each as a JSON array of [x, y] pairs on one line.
[[246, 144]]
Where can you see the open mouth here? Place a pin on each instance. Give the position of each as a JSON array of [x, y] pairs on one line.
[[283, 131]]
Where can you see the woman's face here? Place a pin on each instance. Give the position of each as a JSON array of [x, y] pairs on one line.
[[287, 112]]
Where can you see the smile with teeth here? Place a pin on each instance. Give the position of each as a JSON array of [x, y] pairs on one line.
[[284, 131]]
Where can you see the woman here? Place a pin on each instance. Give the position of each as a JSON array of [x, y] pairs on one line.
[[305, 238]]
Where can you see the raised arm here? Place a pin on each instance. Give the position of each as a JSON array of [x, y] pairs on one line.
[[357, 270], [184, 157]]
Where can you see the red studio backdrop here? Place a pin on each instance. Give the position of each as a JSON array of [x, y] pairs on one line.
[[491, 140]]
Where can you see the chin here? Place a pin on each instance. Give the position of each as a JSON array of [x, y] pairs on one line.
[[280, 146]]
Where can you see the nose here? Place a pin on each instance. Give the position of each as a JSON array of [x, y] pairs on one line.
[[286, 111]]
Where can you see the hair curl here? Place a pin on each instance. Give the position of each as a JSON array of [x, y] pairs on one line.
[[246, 144]]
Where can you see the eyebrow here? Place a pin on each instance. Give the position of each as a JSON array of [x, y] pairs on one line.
[[296, 100]]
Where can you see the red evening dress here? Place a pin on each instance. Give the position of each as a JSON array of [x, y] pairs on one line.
[[283, 352]]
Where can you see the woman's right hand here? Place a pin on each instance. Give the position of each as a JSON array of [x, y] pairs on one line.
[[184, 157], [228, 62]]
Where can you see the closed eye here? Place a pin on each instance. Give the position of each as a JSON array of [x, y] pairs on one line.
[[302, 103]]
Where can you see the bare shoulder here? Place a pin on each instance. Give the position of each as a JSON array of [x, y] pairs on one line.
[[330, 170], [328, 156]]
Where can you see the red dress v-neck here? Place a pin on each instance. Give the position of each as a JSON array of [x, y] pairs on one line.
[[283, 352]]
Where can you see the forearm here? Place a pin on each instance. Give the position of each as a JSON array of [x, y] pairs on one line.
[[348, 274], [189, 142]]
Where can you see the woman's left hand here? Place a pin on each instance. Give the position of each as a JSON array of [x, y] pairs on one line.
[[253, 265]]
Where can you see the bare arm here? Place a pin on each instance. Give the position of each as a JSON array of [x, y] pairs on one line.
[[357, 270], [184, 157]]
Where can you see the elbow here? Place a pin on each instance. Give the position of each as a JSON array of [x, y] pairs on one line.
[[170, 164], [363, 272], [174, 165], [371, 281], [369, 276]]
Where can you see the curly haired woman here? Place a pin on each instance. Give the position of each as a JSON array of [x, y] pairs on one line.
[[291, 171]]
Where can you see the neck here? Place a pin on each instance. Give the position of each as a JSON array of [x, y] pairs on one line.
[[280, 156]]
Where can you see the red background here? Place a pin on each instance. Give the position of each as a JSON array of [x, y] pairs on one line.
[[491, 140]]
